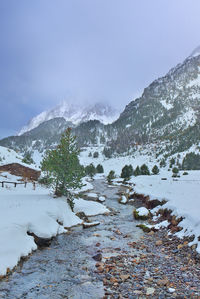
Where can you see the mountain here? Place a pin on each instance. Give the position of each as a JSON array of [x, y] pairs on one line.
[[165, 119], [75, 114], [168, 111]]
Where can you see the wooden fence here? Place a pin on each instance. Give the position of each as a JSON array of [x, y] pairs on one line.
[[2, 183]]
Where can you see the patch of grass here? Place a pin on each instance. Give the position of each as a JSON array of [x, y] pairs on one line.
[[145, 228]]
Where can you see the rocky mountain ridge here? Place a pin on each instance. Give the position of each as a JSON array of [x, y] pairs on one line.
[[76, 114], [166, 116]]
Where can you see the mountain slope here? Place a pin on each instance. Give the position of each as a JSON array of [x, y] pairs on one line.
[[165, 118], [75, 114], [168, 110]]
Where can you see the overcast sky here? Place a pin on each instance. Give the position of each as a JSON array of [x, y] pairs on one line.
[[87, 50]]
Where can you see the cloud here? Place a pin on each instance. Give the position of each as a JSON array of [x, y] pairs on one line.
[[88, 50]]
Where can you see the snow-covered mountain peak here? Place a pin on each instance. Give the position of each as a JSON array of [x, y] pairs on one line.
[[196, 52], [75, 113]]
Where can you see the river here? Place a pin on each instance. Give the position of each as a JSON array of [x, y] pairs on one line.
[[66, 268]]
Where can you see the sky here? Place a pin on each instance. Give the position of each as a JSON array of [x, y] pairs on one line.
[[87, 51]]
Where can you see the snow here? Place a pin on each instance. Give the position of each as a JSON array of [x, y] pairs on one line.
[[90, 224], [90, 208], [102, 198], [92, 195], [86, 186], [182, 197], [196, 52], [75, 114], [25, 210], [188, 118], [164, 223], [124, 199], [8, 156], [115, 163], [142, 211], [166, 105], [195, 82], [128, 126]]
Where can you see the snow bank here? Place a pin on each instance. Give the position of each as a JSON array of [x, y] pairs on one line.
[[25, 210], [182, 196]]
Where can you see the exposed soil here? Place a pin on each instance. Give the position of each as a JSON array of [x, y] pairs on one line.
[[20, 170]]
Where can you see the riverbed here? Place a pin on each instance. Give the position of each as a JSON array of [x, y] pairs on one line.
[[66, 269]]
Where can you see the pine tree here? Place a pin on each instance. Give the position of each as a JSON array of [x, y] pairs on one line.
[[155, 169], [137, 171], [62, 166], [95, 155], [90, 170], [144, 170], [191, 161], [162, 163], [99, 169], [127, 172]]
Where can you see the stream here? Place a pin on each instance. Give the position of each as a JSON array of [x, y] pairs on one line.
[[66, 268]]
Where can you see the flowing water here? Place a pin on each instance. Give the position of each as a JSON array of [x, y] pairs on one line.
[[66, 269]]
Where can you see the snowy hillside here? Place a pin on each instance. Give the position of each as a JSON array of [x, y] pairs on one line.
[[75, 114], [8, 156]]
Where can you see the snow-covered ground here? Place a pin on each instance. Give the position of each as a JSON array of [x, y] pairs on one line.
[[182, 196], [25, 210]]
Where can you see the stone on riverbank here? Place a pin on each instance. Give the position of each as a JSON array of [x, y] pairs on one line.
[[141, 214]]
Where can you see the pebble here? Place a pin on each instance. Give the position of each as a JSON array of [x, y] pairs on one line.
[[171, 290], [150, 291]]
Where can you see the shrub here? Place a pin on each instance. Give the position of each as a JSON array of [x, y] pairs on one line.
[[185, 173], [175, 171]]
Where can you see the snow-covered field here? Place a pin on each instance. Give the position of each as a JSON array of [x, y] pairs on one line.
[[25, 210], [182, 195]]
